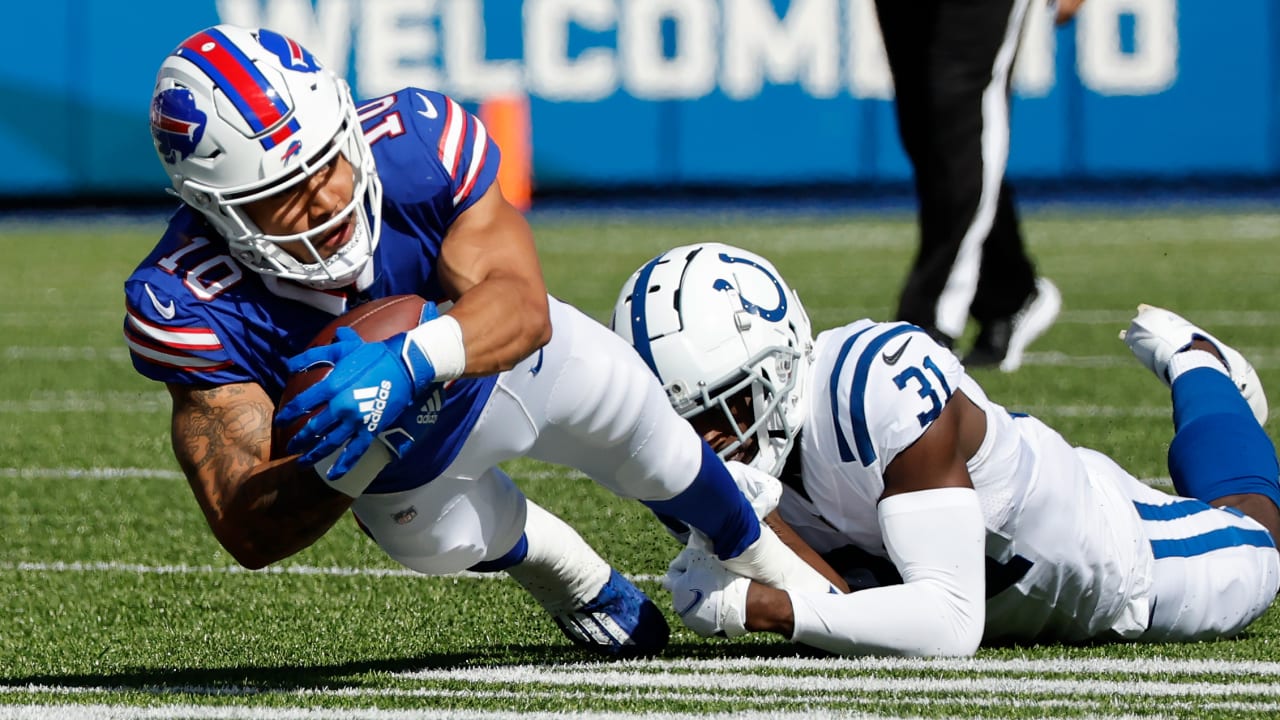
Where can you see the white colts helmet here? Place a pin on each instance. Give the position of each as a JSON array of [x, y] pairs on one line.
[[712, 320], [240, 114]]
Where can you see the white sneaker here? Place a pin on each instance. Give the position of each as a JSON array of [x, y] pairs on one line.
[[1032, 321], [1002, 342], [1156, 334]]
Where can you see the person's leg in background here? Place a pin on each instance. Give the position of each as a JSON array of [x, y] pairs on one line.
[[908, 30], [1012, 305], [951, 61]]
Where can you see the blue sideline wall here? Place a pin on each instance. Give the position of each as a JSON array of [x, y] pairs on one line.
[[671, 93]]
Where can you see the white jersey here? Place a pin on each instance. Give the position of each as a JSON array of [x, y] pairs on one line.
[[1068, 556]]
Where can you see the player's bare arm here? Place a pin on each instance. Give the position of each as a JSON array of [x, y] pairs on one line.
[[261, 510], [1066, 10], [937, 459], [791, 539], [489, 265], [769, 609]]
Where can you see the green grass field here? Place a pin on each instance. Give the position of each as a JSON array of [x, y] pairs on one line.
[[115, 600]]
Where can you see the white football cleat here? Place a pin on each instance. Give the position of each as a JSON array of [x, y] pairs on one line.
[[1156, 334]]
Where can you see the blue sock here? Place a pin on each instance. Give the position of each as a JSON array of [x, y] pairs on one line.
[[713, 504], [677, 528], [1218, 447], [510, 558]]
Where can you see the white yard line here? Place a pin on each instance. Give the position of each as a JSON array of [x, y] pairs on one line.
[[88, 401], [769, 684], [1207, 318], [766, 679], [64, 353], [59, 566], [181, 569], [127, 473], [249, 712], [1260, 358], [100, 473], [1137, 666]]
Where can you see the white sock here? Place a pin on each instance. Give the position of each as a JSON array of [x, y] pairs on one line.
[[770, 561], [1191, 359], [560, 571]]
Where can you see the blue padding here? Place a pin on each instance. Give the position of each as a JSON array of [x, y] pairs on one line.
[[1206, 391], [1208, 542], [1225, 454], [510, 558], [1171, 511], [713, 504]]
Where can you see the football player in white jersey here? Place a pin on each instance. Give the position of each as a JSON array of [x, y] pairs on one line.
[[988, 524], [298, 204]]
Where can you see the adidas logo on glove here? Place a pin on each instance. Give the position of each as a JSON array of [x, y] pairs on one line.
[[373, 401]]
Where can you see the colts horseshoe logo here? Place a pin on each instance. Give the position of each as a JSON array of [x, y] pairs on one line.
[[773, 315]]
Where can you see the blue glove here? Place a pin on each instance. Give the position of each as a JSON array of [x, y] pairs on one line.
[[370, 385]]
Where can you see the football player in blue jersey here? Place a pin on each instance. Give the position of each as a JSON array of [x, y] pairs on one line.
[[299, 204], [979, 524]]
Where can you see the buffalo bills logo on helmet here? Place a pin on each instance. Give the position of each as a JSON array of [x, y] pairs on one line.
[[292, 55], [294, 149], [176, 123]]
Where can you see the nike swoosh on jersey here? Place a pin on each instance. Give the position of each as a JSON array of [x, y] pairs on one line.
[[890, 359], [166, 311], [430, 112]]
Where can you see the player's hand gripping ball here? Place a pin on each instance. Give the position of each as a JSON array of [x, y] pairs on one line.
[[350, 384]]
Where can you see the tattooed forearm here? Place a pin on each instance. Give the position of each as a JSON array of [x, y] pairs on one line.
[[221, 434], [260, 509]]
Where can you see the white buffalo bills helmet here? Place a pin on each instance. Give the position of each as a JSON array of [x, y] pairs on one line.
[[240, 114], [714, 321]]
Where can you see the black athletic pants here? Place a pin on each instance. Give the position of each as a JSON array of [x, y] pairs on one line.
[[951, 62]]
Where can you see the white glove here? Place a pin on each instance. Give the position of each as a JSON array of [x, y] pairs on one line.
[[761, 489], [710, 599]]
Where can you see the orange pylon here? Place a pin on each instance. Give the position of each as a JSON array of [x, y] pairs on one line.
[[507, 119]]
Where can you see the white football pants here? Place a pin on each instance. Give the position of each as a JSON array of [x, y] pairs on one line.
[[1201, 588], [585, 400]]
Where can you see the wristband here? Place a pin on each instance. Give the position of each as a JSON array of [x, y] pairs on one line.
[[440, 339], [358, 478]]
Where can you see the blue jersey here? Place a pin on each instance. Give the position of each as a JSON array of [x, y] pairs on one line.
[[195, 316]]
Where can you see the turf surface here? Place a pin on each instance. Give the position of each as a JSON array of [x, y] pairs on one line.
[[117, 602]]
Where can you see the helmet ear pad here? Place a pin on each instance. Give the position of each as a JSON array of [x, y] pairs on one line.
[[239, 114], [715, 323]]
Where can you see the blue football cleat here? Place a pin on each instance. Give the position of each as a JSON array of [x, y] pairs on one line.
[[620, 622]]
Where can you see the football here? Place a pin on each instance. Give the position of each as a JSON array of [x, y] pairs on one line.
[[375, 320]]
